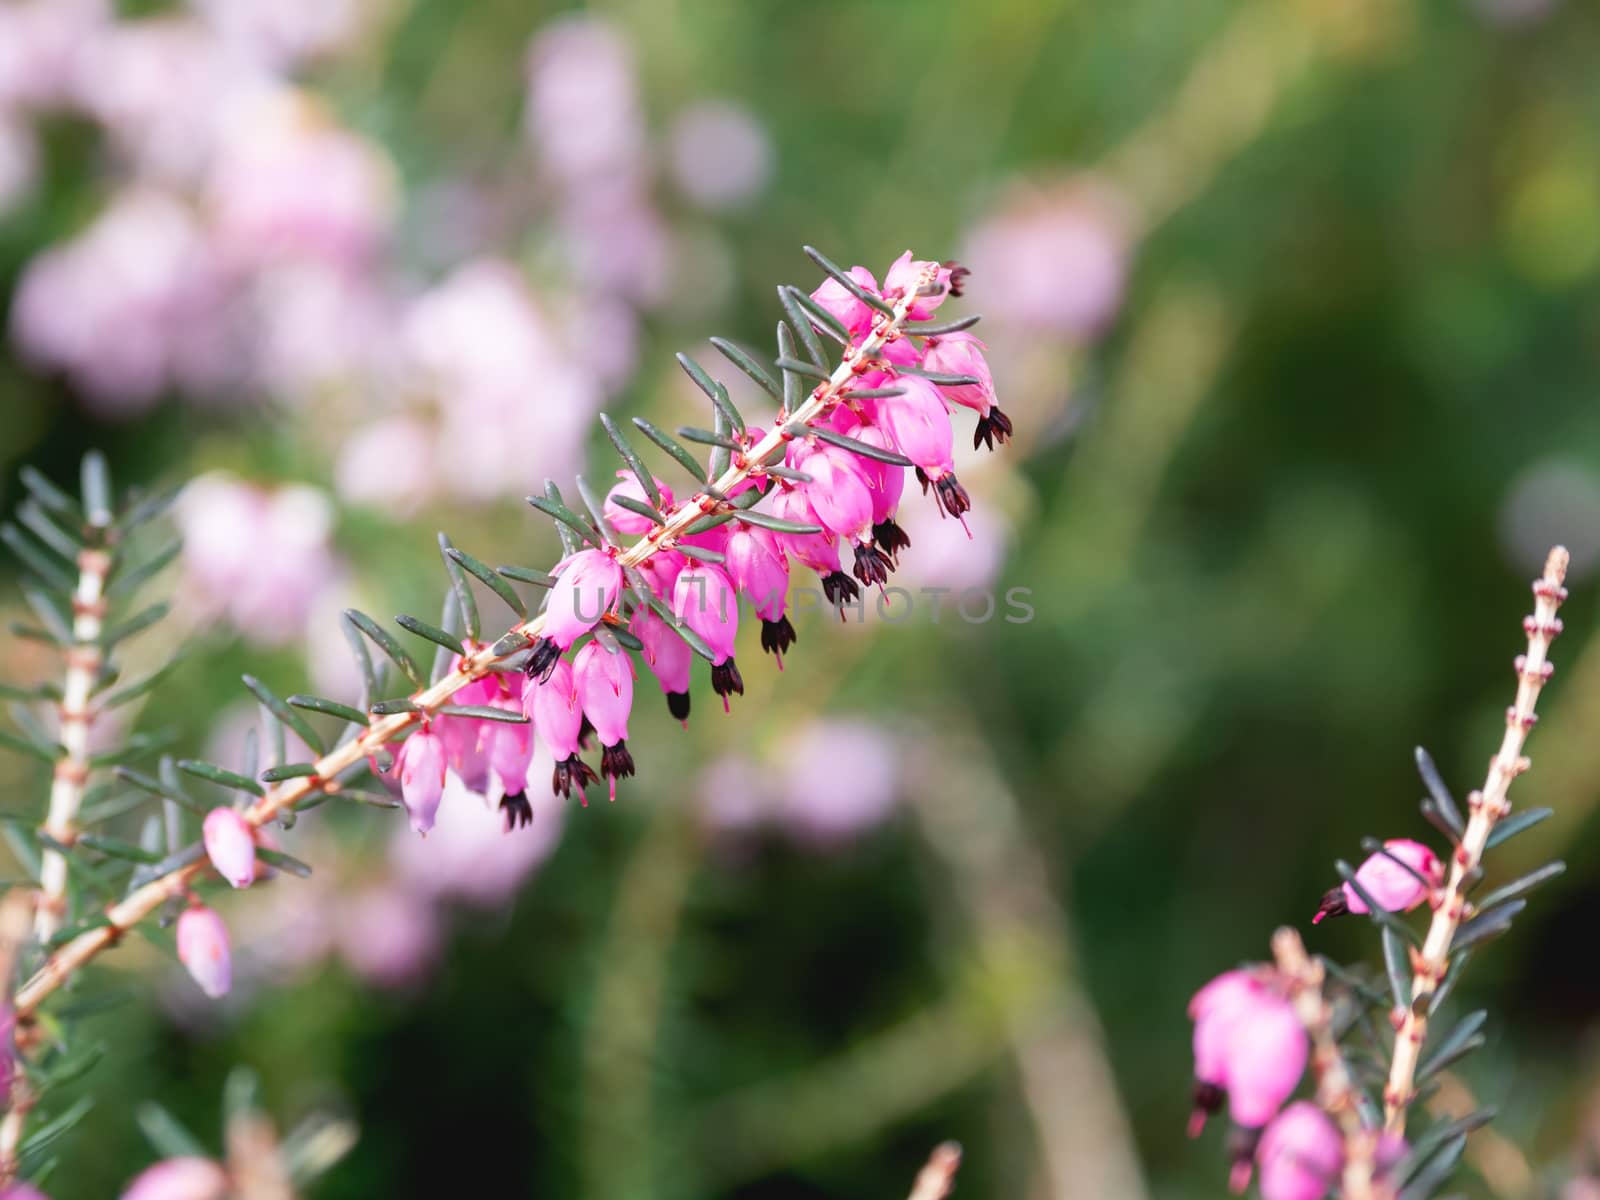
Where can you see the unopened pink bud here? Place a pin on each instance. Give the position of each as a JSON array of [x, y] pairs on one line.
[[1390, 884], [586, 588], [1300, 1154], [231, 845], [625, 520], [854, 315], [421, 760], [203, 949], [179, 1179]]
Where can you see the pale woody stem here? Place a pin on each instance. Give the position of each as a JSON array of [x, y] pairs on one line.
[[1488, 807], [17, 913], [1335, 1089], [83, 658], [141, 903]]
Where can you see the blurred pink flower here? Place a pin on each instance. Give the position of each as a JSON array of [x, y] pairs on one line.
[[387, 465], [40, 41], [165, 89], [19, 161], [388, 935], [258, 557], [203, 949], [1052, 262], [22, 1191], [231, 845], [839, 779], [1300, 1154], [288, 181], [1250, 1049], [735, 795], [721, 156], [281, 33], [951, 554], [582, 108], [318, 327], [614, 241], [179, 1179], [127, 308], [495, 364]]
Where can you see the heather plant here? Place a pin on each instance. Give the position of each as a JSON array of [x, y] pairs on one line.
[[832, 461], [1377, 1045]]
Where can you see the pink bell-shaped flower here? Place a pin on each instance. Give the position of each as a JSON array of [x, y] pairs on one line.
[[625, 520], [760, 570], [838, 490], [204, 950], [704, 599], [1249, 1049], [852, 313], [508, 751], [22, 1190], [669, 657], [1398, 878], [819, 551], [907, 273], [421, 763], [960, 353], [585, 589], [1300, 1154], [605, 693], [231, 845], [552, 706], [187, 1178], [919, 425]]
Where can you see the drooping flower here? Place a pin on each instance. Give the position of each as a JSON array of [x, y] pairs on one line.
[[1300, 1154], [625, 520], [704, 599], [819, 551], [186, 1178], [960, 353], [760, 570], [1397, 878], [508, 752], [551, 704], [231, 845], [604, 681], [1250, 1049], [853, 314], [586, 589], [203, 948], [421, 763], [669, 657], [838, 491]]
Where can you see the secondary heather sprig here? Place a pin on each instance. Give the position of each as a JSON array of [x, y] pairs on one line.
[[1257, 1028]]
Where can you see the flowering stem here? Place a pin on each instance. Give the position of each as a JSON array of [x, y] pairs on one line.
[[1336, 1092], [84, 658], [139, 904], [17, 913], [1488, 807], [938, 1176]]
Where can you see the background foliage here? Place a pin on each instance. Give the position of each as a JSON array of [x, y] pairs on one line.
[[1276, 511]]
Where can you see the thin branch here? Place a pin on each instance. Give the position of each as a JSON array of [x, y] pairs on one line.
[[141, 903], [1488, 807], [1336, 1091], [17, 914], [938, 1177], [84, 658]]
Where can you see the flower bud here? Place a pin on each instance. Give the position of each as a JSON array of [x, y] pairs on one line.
[[834, 297], [421, 762], [231, 845], [1300, 1154], [203, 949]]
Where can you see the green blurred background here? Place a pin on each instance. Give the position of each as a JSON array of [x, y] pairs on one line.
[[1302, 396]]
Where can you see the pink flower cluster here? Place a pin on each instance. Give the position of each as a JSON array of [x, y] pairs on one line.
[[1250, 1051], [579, 687]]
